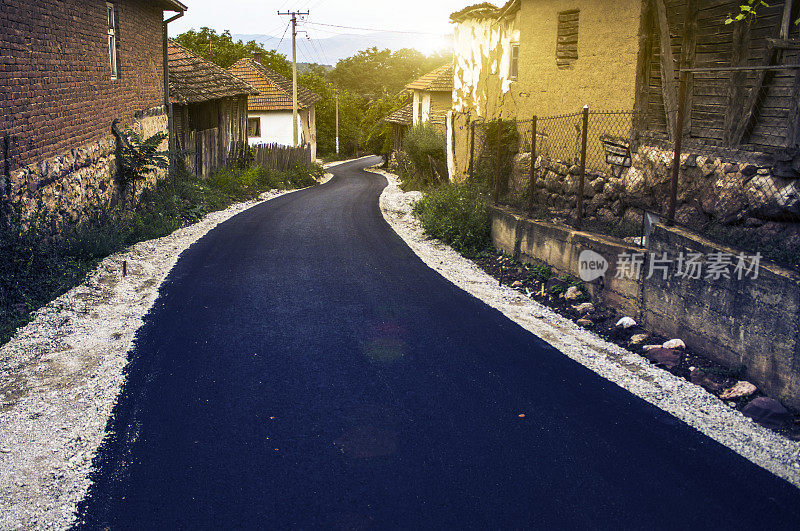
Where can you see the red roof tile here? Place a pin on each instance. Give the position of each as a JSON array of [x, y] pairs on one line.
[[275, 91]]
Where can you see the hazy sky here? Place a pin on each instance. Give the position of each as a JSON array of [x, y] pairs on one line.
[[260, 16]]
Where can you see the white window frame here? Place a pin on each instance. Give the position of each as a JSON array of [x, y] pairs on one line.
[[111, 18], [513, 62]]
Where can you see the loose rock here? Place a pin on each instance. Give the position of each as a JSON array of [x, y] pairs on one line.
[[674, 344], [572, 294], [709, 382], [626, 322], [638, 339], [583, 309], [586, 323], [664, 357], [768, 412], [740, 390]]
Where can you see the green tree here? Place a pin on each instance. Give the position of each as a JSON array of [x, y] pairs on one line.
[[222, 50], [374, 72]]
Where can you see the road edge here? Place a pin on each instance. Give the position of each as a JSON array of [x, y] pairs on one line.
[[683, 400]]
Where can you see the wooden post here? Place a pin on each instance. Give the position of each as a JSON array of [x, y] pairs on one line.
[[532, 183], [689, 56], [582, 178], [471, 149], [497, 163], [676, 163], [667, 65]]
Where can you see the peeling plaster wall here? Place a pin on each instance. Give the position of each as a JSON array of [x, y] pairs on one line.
[[603, 76], [482, 56]]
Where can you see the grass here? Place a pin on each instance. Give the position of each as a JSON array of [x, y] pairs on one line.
[[37, 267]]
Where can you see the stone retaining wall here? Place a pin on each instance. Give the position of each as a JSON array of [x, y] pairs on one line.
[[754, 322], [762, 189], [71, 184]]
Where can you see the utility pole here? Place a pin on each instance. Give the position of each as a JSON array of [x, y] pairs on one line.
[[294, 15], [337, 120]]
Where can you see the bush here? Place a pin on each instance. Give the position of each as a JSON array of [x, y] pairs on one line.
[[423, 142], [457, 214]]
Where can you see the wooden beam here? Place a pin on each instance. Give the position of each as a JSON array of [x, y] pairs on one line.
[[688, 56], [737, 92], [643, 67], [793, 134], [786, 21], [668, 83]]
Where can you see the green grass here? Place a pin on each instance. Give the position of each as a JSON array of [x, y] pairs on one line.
[[37, 267]]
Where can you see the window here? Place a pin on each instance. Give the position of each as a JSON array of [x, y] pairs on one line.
[[567, 46], [112, 38], [254, 128], [513, 69], [419, 111]]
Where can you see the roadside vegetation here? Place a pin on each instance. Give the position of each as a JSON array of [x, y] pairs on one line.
[[38, 266], [423, 162]]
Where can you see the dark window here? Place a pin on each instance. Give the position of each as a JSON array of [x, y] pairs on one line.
[[419, 112], [567, 46], [254, 127], [204, 116], [112, 38], [513, 69]]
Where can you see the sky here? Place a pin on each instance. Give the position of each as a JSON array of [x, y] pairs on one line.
[[260, 17]]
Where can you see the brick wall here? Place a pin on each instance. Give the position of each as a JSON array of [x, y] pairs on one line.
[[56, 91]]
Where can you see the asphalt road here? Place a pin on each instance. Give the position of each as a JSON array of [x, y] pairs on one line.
[[303, 369]]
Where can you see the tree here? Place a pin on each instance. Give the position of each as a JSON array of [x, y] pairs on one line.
[[223, 51], [374, 72], [748, 12]]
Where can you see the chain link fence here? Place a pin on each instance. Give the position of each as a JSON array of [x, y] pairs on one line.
[[612, 174]]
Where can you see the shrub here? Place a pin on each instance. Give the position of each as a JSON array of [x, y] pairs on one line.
[[423, 144], [457, 214]]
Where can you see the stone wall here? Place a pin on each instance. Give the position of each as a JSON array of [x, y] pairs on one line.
[[75, 181], [719, 188], [752, 321]]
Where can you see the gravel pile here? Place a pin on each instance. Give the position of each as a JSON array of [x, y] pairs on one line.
[[684, 400], [61, 374]]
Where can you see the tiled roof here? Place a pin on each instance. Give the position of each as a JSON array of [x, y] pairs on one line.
[[275, 91], [194, 80], [440, 80], [402, 116], [405, 116]]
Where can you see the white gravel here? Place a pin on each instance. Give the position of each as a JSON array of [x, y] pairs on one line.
[[684, 400], [61, 374]]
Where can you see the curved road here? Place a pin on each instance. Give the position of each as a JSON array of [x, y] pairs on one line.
[[303, 369]]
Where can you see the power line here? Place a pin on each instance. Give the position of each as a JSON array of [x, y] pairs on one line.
[[376, 29], [284, 35]]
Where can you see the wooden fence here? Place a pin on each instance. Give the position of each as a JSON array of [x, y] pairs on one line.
[[279, 157]]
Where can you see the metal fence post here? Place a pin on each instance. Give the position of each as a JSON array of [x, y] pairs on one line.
[[676, 163], [582, 179], [532, 184], [497, 164], [471, 149]]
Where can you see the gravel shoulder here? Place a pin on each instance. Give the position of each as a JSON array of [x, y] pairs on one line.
[[690, 403], [61, 374]]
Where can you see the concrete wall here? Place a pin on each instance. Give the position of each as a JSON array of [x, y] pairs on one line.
[[754, 322]]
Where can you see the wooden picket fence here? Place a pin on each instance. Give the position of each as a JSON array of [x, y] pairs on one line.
[[279, 157]]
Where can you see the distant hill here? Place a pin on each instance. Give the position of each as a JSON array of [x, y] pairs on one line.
[[331, 50]]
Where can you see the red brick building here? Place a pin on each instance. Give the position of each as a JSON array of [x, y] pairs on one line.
[[68, 69]]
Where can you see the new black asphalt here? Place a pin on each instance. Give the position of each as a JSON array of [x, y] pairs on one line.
[[303, 369]]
